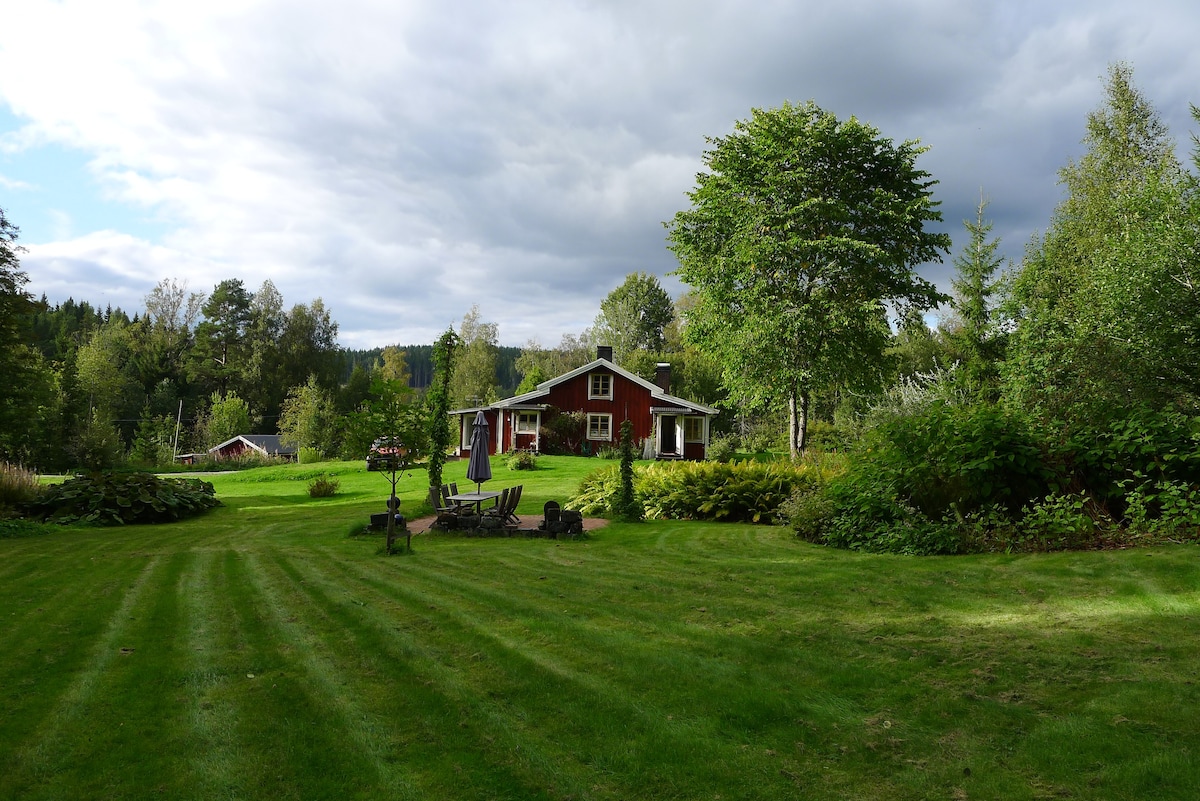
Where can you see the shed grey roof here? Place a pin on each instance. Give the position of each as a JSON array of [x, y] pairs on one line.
[[270, 444]]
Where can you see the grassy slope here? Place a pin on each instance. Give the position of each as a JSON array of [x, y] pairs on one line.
[[258, 652]]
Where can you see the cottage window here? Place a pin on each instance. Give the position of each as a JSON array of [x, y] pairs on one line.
[[527, 423], [600, 427], [693, 429], [600, 386]]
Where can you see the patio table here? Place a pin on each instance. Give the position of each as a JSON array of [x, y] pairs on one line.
[[476, 498]]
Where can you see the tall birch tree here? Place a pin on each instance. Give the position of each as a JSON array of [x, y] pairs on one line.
[[802, 231]]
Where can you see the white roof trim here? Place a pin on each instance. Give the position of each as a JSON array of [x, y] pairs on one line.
[[216, 448], [543, 389]]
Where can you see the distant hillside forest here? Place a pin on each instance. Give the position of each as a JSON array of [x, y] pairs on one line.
[[420, 365]]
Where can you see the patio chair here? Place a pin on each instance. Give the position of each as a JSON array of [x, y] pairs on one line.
[[447, 491], [501, 502], [447, 516], [510, 514], [505, 508]]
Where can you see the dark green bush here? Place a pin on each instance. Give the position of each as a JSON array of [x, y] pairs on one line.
[[1140, 448], [19, 527], [914, 478], [958, 459], [950, 479], [862, 510], [563, 432], [117, 498], [723, 447], [522, 460], [323, 487], [626, 505]]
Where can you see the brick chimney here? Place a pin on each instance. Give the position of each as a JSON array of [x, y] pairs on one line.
[[604, 352], [662, 376]]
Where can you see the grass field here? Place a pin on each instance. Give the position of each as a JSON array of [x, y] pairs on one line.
[[258, 652]]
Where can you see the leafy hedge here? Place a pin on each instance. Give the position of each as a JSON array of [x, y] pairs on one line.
[[118, 498], [737, 492], [954, 479]]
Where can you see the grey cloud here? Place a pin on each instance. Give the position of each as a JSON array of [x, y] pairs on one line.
[[404, 161]]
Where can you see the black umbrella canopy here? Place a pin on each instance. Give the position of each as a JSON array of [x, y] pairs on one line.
[[479, 469]]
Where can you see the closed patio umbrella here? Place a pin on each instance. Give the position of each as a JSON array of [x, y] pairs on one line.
[[479, 469]]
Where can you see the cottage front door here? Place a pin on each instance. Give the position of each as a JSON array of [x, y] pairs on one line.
[[667, 442]]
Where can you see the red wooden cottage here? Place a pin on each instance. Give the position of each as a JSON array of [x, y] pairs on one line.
[[664, 426]]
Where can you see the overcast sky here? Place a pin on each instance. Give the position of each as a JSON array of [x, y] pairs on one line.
[[405, 159]]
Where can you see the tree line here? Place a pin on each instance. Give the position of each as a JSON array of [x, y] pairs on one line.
[[94, 388]]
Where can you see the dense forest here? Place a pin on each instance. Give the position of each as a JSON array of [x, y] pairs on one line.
[[420, 365]]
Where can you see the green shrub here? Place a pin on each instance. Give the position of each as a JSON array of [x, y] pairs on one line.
[[1140, 448], [749, 492], [563, 432], [723, 447], [522, 460], [763, 440], [117, 498], [809, 512], [598, 488], [18, 486], [310, 455], [824, 436], [1057, 523], [736, 492], [958, 459], [610, 452], [1170, 508], [323, 486], [20, 527], [947, 478], [863, 511]]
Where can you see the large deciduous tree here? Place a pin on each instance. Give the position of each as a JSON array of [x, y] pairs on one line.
[[474, 377], [537, 364], [308, 345], [633, 317], [266, 385], [800, 231], [309, 418]]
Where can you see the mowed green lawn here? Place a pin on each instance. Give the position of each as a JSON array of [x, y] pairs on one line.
[[258, 652]]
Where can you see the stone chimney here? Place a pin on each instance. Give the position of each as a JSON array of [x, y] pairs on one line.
[[604, 352], [662, 376]]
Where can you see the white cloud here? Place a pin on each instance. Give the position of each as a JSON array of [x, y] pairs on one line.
[[405, 160], [16, 185]]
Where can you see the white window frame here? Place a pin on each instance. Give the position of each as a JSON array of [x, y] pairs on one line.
[[521, 427], [604, 392], [603, 421], [698, 422]]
